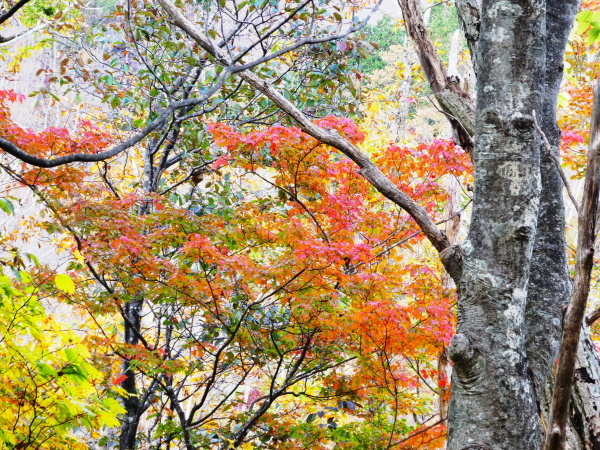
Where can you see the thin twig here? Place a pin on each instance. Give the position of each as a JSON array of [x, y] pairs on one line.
[[17, 37], [556, 160], [352, 269], [416, 433]]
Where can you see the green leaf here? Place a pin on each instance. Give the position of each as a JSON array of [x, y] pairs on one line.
[[31, 257], [64, 283], [115, 102], [47, 370], [594, 34], [72, 355], [7, 206]]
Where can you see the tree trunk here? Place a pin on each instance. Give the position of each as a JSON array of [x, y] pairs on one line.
[[477, 351], [585, 399], [549, 284], [130, 420], [493, 405]]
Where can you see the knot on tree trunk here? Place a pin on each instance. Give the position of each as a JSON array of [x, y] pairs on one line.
[[469, 365], [461, 351], [452, 258]]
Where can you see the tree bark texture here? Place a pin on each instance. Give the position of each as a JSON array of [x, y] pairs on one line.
[[493, 404], [549, 283], [131, 418], [468, 16], [585, 398], [586, 238], [583, 428]]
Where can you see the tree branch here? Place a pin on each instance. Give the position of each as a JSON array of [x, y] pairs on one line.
[[11, 12], [157, 123], [556, 160], [591, 319], [455, 102], [367, 168], [302, 42], [9, 40]]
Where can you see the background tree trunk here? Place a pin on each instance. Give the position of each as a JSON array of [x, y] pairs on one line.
[[549, 283], [585, 398], [130, 420]]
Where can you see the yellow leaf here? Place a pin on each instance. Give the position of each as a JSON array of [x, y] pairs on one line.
[[79, 257], [64, 283]]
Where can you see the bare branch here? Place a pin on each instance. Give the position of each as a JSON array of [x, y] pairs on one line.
[[11, 12], [9, 40], [556, 160]]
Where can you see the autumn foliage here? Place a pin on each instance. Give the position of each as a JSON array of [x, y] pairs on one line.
[[284, 274], [282, 302]]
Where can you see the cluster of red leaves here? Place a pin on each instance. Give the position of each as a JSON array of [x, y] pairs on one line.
[[306, 235], [51, 142], [389, 307]]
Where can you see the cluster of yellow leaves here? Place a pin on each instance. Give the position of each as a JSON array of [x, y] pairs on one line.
[[49, 393]]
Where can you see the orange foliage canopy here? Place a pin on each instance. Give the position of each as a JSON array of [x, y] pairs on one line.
[[288, 254]]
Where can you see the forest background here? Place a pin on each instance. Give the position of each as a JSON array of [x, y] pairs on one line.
[[230, 281]]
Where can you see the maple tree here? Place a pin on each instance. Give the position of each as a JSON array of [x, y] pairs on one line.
[[244, 247], [274, 267]]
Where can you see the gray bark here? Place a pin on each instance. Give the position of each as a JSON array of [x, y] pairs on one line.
[[585, 399], [549, 284], [468, 16], [131, 418], [492, 405]]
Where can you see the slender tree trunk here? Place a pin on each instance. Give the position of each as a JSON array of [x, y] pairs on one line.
[[132, 332], [452, 228], [492, 405], [549, 284], [131, 403]]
